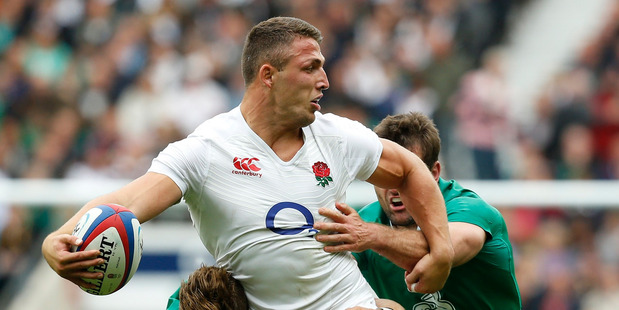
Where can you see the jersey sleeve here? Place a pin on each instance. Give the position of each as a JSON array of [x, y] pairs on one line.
[[362, 146], [473, 211], [184, 162], [364, 152]]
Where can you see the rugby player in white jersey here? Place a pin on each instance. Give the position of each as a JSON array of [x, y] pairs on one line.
[[255, 177]]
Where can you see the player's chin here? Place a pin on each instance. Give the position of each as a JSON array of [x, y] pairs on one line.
[[402, 219], [310, 118]]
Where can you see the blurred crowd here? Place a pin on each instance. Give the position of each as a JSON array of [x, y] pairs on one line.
[[95, 89]]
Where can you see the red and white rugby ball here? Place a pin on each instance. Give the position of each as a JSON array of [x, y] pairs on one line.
[[116, 233]]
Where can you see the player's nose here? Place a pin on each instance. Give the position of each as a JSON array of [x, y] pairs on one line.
[[323, 81]]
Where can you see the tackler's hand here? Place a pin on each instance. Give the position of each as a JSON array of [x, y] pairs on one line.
[[347, 232]]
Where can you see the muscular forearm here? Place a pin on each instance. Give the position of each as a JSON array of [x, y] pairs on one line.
[[146, 197], [404, 247], [423, 200], [402, 170], [67, 227]]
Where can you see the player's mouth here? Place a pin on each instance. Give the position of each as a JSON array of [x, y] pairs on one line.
[[397, 204], [315, 103]]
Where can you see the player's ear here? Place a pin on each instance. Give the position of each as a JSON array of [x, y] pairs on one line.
[[266, 73], [436, 170]]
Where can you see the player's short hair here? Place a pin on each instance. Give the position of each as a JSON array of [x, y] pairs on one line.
[[412, 130], [212, 288], [269, 42]]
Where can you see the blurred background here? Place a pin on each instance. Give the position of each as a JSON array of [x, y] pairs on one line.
[[522, 91]]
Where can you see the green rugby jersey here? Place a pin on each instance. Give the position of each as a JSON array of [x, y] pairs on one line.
[[485, 282]]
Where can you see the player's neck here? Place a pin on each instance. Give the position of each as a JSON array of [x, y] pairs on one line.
[[287, 148], [283, 139]]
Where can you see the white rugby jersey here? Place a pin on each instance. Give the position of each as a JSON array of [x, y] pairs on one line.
[[255, 212]]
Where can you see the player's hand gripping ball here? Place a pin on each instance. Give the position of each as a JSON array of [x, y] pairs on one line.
[[116, 233]]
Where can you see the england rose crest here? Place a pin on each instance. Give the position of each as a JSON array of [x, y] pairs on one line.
[[322, 173]]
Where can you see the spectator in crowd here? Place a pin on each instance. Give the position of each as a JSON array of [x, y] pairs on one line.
[[482, 115]]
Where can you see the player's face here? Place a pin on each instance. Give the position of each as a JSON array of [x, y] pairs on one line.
[[392, 205], [298, 87]]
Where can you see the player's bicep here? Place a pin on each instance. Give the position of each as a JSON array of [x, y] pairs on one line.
[[395, 162], [467, 240], [149, 195]]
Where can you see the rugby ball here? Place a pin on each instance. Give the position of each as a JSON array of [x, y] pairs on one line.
[[116, 233]]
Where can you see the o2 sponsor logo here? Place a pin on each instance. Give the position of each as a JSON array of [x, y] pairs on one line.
[[309, 219]]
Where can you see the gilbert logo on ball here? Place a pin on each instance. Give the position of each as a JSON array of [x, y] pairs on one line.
[[116, 233]]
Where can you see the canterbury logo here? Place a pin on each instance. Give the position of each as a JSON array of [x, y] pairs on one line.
[[246, 164]]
